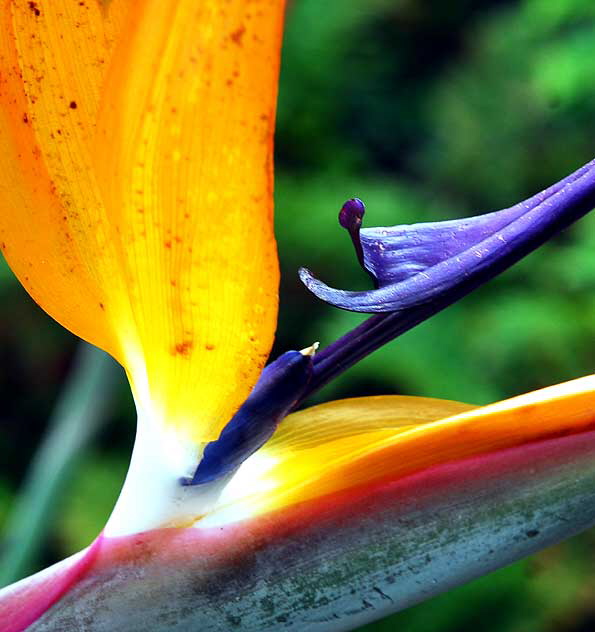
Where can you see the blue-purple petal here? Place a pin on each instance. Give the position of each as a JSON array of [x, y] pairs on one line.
[[414, 264], [280, 386]]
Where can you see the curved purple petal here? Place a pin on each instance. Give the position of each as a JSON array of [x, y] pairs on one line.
[[415, 264]]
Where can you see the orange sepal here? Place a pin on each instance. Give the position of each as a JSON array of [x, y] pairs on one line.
[[136, 187]]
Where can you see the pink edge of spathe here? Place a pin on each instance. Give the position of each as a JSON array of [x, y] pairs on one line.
[[209, 548], [25, 601]]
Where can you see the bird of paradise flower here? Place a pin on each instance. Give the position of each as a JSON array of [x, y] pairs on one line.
[[136, 186]]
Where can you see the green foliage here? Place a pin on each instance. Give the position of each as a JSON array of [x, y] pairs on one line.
[[89, 500], [6, 275]]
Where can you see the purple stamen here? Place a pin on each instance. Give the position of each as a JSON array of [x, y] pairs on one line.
[[350, 217]]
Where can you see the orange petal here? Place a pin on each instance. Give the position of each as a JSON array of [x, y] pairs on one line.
[[52, 219], [399, 437], [136, 188]]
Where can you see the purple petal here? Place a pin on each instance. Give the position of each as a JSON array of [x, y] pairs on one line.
[[280, 386], [415, 264], [540, 217]]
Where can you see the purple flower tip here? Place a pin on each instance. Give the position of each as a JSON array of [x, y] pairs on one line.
[[351, 214]]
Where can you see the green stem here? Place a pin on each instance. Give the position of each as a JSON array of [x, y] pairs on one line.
[[80, 411]]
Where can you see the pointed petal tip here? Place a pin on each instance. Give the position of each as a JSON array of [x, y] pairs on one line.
[[311, 350], [368, 302]]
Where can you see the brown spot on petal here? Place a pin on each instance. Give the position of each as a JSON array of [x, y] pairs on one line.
[[237, 35], [183, 348]]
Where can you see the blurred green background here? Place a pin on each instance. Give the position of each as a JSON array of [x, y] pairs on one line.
[[426, 110]]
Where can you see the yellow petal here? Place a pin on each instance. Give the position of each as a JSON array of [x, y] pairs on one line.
[[136, 187], [367, 440], [309, 446], [322, 426]]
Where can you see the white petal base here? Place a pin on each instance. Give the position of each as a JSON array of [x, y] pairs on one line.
[[152, 496]]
